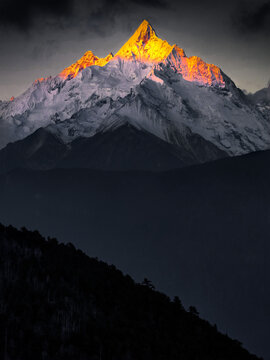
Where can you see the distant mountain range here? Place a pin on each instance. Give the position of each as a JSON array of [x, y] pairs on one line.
[[261, 99]]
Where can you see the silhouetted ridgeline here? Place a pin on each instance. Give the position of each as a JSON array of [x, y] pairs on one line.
[[57, 303]]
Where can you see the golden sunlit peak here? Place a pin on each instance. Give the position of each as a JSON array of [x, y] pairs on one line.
[[194, 69], [144, 32], [144, 45], [87, 60]]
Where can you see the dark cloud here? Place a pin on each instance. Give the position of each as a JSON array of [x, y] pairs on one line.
[[253, 19], [23, 15], [155, 3]]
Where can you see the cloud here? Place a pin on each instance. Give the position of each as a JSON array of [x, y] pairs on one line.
[[155, 3], [24, 15], [21, 14], [253, 20]]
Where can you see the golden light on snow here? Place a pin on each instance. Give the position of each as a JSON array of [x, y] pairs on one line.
[[145, 46], [87, 60]]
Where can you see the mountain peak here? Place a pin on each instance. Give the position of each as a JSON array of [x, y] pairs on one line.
[[88, 59], [145, 32], [145, 45]]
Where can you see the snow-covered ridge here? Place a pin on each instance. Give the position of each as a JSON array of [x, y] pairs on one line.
[[87, 60], [145, 46], [148, 83], [262, 100]]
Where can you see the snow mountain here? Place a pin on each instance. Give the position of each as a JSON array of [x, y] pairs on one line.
[[148, 86], [261, 99]]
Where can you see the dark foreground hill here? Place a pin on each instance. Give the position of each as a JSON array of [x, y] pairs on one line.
[[57, 303], [201, 232]]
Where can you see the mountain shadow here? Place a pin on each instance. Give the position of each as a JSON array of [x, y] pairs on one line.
[[120, 149]]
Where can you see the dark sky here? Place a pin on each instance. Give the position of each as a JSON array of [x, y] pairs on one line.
[[41, 37]]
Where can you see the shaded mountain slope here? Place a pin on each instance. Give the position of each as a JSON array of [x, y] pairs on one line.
[[262, 100], [261, 96], [202, 232], [40, 150], [123, 148], [56, 303]]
